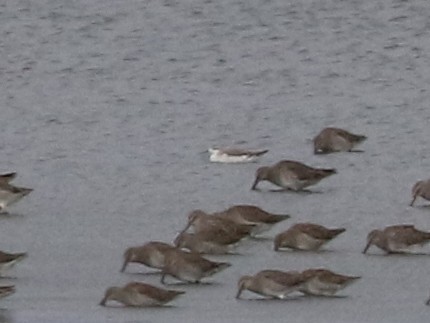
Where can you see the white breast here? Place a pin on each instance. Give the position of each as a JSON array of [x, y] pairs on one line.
[[317, 287], [306, 242]]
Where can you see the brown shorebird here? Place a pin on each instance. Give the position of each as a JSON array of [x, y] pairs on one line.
[[207, 242], [234, 155], [305, 236], [189, 266], [291, 175], [150, 254], [6, 290], [202, 221], [271, 283], [421, 188], [397, 238], [7, 177], [10, 194], [324, 282], [8, 260], [140, 294], [252, 215], [334, 139]]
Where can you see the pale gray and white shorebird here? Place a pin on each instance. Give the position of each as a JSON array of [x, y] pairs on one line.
[[206, 242], [140, 294], [10, 194], [323, 282], [422, 189], [291, 175], [189, 267], [305, 236], [234, 155], [271, 283], [331, 140], [253, 215], [397, 238], [6, 290], [8, 260], [201, 221], [151, 254]]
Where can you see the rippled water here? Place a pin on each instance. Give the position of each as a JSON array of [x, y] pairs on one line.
[[106, 107]]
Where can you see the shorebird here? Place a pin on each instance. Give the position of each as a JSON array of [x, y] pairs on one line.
[[324, 282], [397, 238], [208, 242], [234, 155], [271, 283], [189, 266], [305, 236], [140, 294], [8, 260], [252, 215], [151, 254], [334, 139], [202, 221], [291, 175], [6, 290], [421, 188], [10, 194], [7, 177]]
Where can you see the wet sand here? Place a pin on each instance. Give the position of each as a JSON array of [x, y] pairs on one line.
[[106, 107]]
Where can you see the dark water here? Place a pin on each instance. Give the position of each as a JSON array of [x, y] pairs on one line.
[[106, 107]]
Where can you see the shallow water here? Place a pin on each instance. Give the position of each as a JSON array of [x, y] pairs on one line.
[[106, 107]]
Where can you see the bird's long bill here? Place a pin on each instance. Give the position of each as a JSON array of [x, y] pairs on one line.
[[185, 229], [239, 292], [254, 185], [413, 200], [369, 243], [177, 239], [103, 301], [128, 254], [124, 265], [163, 278]]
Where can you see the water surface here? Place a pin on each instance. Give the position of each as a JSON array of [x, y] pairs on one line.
[[106, 107]]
